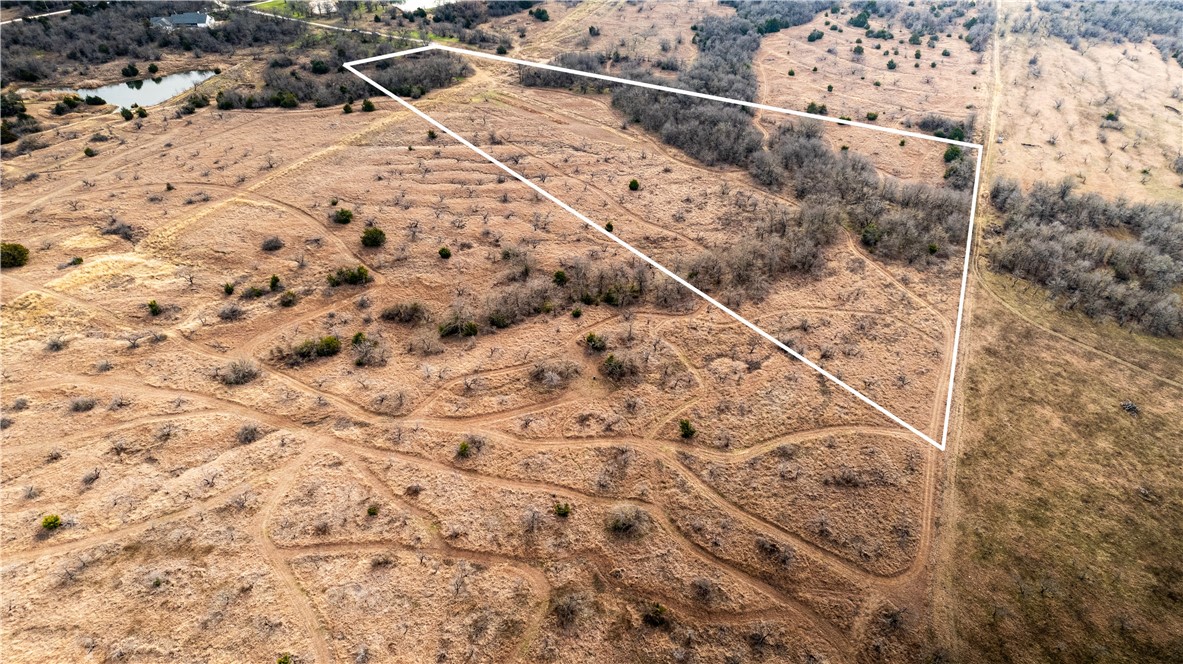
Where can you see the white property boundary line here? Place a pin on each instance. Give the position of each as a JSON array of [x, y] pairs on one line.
[[351, 66]]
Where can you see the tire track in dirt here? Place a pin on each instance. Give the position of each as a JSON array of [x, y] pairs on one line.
[[299, 598], [689, 547]]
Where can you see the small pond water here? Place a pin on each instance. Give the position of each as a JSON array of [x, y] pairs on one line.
[[147, 92]]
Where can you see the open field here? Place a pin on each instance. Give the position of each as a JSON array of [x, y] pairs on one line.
[[489, 434]]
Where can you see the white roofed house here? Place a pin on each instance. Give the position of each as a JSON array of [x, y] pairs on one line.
[[186, 20]]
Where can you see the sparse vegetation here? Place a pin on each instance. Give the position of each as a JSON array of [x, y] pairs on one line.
[[628, 522], [238, 372]]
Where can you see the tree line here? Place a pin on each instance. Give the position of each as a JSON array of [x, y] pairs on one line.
[[1108, 259]]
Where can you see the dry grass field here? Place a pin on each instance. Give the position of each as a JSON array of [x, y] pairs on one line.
[[497, 436]]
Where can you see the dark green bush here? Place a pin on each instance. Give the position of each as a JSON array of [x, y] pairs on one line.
[[445, 253], [618, 369], [13, 254], [686, 428], [343, 216], [596, 342], [354, 277], [373, 237]]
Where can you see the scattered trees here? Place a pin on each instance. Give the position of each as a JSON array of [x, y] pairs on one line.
[[1107, 259]]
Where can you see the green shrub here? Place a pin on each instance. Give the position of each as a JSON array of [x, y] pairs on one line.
[[152, 68], [372, 510], [445, 253], [348, 108], [952, 152], [608, 227], [89, 151], [13, 254], [288, 299], [815, 35], [141, 112], [816, 109], [469, 329], [328, 346], [274, 284], [596, 342], [501, 50], [656, 616], [431, 135], [562, 510], [354, 277], [465, 450], [130, 71], [51, 522], [373, 237], [127, 114], [872, 116], [618, 369], [154, 308], [871, 234], [633, 185], [367, 106], [576, 312], [891, 64], [686, 428], [252, 293], [540, 14], [560, 278], [343, 216], [228, 288]]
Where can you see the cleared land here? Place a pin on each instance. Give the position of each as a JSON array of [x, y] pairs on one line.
[[252, 456]]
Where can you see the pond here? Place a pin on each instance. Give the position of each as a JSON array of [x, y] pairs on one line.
[[147, 92]]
